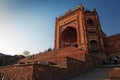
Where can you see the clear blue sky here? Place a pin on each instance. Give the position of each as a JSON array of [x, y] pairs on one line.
[[30, 24]]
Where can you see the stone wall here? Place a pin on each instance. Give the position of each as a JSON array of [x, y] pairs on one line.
[[45, 72], [114, 74], [73, 68], [113, 46], [37, 71], [17, 72], [58, 65], [31, 72]]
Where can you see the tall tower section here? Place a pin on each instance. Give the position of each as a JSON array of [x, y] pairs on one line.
[[94, 34], [80, 28]]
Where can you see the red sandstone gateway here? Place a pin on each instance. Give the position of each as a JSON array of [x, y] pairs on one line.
[[80, 46], [80, 28]]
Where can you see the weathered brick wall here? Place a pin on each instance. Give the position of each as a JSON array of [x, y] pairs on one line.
[[76, 67], [92, 61], [56, 54], [73, 68], [67, 63], [17, 72], [114, 74], [113, 46], [44, 72]]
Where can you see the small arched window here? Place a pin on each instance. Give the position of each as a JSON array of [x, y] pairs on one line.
[[94, 31], [90, 22], [89, 32], [93, 44]]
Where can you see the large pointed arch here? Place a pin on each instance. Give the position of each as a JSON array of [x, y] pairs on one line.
[[68, 37]]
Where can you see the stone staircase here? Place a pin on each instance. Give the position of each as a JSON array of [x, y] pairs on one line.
[[110, 66], [100, 73]]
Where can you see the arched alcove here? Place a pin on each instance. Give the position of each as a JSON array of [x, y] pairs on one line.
[[90, 22], [93, 45], [68, 37]]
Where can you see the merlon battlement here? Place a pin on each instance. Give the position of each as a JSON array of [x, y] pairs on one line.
[[71, 12]]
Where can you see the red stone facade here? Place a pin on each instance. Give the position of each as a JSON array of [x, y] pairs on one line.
[[17, 72], [80, 46], [80, 28], [114, 74], [113, 46]]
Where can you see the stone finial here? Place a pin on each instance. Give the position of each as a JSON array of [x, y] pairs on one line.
[[80, 6], [56, 18], [68, 11], [94, 10]]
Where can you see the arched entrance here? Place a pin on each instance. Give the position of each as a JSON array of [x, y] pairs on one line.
[[93, 45], [68, 37]]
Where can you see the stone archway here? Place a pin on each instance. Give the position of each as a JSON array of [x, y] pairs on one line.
[[68, 37], [93, 45]]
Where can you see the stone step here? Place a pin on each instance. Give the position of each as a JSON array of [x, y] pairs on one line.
[[110, 66], [105, 79]]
